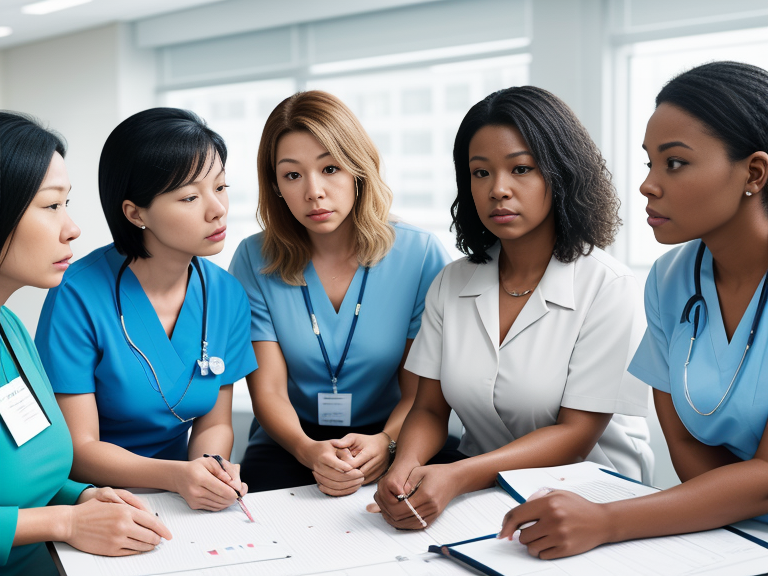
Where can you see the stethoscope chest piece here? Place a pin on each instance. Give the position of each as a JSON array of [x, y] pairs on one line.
[[214, 364]]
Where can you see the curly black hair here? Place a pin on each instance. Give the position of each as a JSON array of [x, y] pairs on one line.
[[584, 200]]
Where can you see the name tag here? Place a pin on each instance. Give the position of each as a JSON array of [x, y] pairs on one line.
[[21, 412], [334, 409]]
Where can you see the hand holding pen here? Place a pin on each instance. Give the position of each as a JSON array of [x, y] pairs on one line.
[[207, 485], [413, 499], [221, 462]]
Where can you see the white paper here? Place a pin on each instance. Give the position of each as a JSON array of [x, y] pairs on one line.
[[680, 555], [322, 534], [668, 556], [21, 412], [200, 540], [586, 479]]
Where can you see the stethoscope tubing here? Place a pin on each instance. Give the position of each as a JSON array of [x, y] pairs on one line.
[[699, 297], [203, 344]]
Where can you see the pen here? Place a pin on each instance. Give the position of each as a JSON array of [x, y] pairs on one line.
[[405, 497], [239, 497]]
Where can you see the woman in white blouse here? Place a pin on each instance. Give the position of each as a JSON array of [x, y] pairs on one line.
[[529, 337]]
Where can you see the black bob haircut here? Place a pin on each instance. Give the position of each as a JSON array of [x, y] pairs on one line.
[[583, 199], [26, 150], [731, 100], [151, 153]]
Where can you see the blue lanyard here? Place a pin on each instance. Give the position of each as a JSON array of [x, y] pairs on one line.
[[316, 329]]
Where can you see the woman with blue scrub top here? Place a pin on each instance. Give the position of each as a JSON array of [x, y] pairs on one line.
[[704, 350], [336, 289], [529, 337], [38, 502], [144, 337]]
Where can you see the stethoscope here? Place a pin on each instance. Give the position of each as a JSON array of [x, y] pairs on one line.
[[214, 364], [686, 317]]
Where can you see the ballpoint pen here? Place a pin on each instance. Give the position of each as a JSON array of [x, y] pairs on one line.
[[219, 459]]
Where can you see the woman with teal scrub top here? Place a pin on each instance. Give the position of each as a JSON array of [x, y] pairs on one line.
[[704, 349], [336, 293], [122, 336], [38, 502]]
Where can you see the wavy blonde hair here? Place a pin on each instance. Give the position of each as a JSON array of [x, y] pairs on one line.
[[286, 247]]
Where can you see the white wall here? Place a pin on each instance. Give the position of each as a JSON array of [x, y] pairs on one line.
[[81, 85]]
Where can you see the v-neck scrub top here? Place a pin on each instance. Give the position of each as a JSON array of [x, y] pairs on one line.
[[740, 421], [36, 473], [390, 314], [569, 347], [84, 350]]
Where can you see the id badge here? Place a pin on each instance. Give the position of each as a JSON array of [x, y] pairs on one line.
[[334, 409], [21, 412]]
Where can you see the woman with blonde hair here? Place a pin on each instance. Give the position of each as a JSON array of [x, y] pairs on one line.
[[336, 291]]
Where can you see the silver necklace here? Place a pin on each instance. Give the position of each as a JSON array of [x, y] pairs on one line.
[[514, 293]]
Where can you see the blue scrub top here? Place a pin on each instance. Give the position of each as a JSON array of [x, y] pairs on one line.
[[84, 351], [659, 361], [390, 314], [36, 473]]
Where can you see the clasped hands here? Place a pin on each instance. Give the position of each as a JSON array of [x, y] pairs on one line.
[[341, 466]]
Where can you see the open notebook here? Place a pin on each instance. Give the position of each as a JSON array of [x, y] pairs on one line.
[[727, 550]]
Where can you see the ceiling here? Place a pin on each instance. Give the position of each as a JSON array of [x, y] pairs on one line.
[[27, 28]]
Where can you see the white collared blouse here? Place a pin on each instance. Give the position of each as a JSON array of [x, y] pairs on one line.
[[569, 347]]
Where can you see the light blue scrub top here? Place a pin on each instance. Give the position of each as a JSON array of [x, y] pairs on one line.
[[659, 361], [84, 350], [390, 314], [36, 473]]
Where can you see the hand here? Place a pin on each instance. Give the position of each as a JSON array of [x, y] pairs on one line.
[[437, 486], [334, 476], [113, 495], [566, 524], [234, 474], [368, 453], [206, 486], [112, 529]]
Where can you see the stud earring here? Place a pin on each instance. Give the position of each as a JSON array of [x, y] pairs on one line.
[[748, 193], [143, 227]]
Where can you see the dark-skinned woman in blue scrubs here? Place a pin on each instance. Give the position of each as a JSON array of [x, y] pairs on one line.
[[704, 350], [38, 502], [144, 338]]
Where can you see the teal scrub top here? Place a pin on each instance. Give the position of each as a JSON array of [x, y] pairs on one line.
[[84, 351], [659, 361], [390, 314], [36, 473]]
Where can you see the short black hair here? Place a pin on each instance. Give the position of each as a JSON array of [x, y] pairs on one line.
[[731, 100], [152, 152], [26, 150], [583, 198]]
